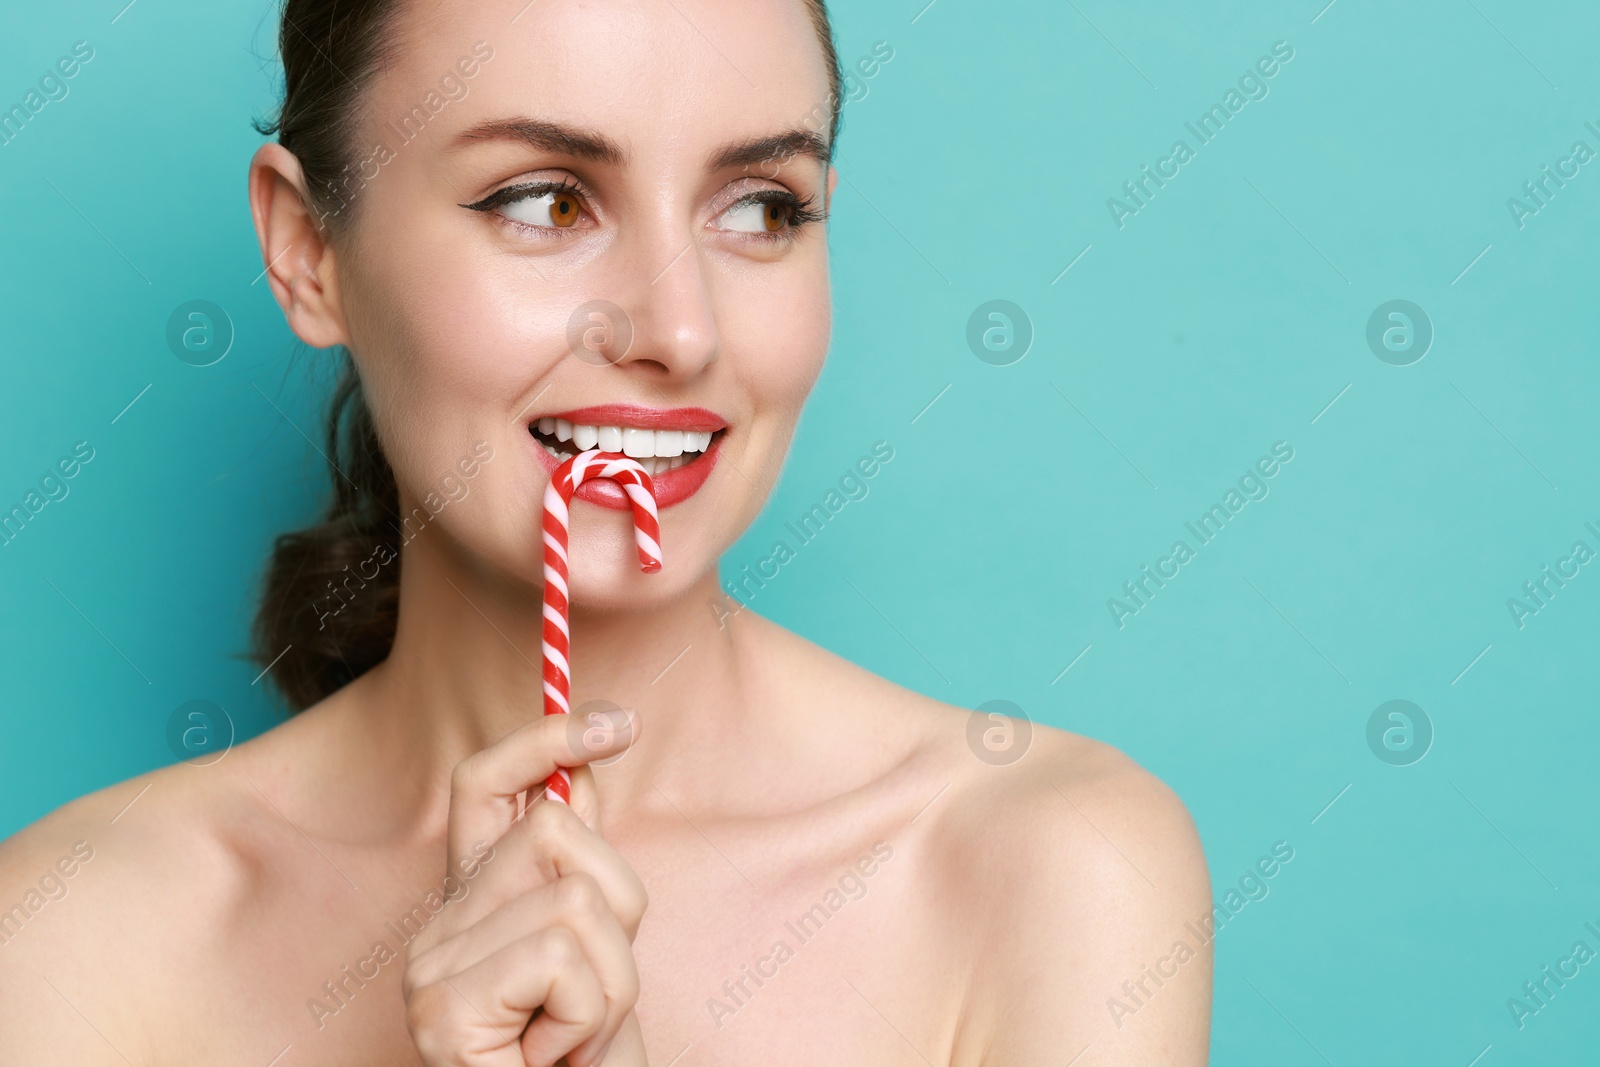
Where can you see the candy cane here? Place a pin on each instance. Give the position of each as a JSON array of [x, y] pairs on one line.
[[628, 474]]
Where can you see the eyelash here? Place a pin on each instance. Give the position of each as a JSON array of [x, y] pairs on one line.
[[801, 209]]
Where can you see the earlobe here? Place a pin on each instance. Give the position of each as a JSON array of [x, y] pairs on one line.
[[296, 255]]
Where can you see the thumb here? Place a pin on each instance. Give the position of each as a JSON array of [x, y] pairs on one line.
[[599, 733]]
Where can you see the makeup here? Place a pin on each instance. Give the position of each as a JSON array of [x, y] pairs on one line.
[[677, 447]]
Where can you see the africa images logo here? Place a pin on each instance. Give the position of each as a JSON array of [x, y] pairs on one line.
[[1252, 486], [1252, 85]]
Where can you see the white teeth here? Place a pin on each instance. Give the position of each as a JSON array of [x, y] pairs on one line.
[[677, 446], [638, 443], [669, 443]]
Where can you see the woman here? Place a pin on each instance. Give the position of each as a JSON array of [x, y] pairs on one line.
[[538, 226]]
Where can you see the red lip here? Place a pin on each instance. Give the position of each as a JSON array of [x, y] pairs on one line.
[[644, 418], [671, 487]]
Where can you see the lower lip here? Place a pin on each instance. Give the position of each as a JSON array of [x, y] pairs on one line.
[[672, 487]]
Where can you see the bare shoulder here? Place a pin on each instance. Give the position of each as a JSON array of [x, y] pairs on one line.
[[1067, 789], [1068, 882], [95, 893], [1086, 873]]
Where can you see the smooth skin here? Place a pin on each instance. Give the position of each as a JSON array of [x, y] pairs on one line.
[[931, 907]]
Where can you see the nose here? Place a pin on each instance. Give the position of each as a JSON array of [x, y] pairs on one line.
[[668, 301]]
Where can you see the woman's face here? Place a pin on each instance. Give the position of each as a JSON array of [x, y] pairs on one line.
[[577, 204]]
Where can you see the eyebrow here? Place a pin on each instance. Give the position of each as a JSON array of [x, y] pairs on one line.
[[550, 136], [581, 143], [785, 145]]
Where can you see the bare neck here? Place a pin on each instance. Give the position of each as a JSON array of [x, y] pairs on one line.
[[465, 670]]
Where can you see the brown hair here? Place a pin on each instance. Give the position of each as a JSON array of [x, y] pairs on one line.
[[329, 48]]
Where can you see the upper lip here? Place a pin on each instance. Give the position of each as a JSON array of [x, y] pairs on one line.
[[643, 418]]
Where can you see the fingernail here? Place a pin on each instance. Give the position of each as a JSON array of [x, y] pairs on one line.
[[614, 724], [599, 726]]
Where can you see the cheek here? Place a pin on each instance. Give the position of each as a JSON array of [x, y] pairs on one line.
[[775, 334], [446, 354], [774, 328]]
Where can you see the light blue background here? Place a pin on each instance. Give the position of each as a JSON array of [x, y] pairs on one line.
[[1223, 317]]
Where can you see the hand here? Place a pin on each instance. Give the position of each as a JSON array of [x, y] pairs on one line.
[[535, 963]]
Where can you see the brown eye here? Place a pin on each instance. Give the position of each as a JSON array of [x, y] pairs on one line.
[[564, 209], [538, 206], [760, 217]]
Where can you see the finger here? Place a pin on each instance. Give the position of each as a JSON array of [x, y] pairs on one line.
[[594, 726], [484, 787], [549, 843], [478, 1015], [586, 798], [575, 903]]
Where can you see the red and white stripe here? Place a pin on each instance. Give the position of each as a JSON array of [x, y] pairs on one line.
[[581, 468]]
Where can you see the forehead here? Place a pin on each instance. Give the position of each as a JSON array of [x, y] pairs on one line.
[[649, 74]]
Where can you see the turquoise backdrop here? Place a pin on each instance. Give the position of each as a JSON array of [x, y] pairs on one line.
[[1156, 345]]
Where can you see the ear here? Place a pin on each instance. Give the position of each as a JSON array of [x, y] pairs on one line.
[[299, 260]]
